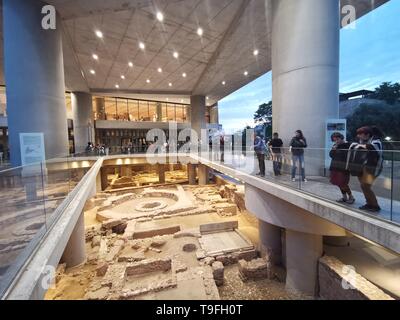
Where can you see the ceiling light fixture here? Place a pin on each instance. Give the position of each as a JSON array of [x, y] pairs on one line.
[[255, 52], [148, 80], [170, 84], [122, 77], [200, 31], [184, 74], [92, 71], [95, 56], [159, 70], [246, 73], [223, 83], [99, 34], [142, 45], [130, 64], [176, 55], [117, 86], [160, 16]]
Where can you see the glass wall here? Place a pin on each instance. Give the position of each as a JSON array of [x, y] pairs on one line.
[[142, 110]]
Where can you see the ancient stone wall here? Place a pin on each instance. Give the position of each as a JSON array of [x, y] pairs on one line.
[[338, 282]]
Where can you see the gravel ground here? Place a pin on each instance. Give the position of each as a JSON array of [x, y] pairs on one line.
[[235, 289]]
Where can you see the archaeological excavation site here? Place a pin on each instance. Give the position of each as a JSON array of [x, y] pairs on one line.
[[157, 236]]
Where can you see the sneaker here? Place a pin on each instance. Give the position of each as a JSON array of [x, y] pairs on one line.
[[258, 174], [294, 179], [304, 180], [341, 200], [351, 200], [369, 208]]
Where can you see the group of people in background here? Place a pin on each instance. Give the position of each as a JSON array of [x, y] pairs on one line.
[[99, 149], [363, 159]]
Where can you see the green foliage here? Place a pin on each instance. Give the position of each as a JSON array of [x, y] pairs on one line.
[[263, 114], [385, 117], [388, 92]]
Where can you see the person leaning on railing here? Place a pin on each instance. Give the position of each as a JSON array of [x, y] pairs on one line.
[[365, 161]]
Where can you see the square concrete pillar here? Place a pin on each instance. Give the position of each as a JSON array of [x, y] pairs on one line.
[[203, 171]]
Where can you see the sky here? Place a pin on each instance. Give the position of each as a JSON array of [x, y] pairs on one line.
[[369, 55]]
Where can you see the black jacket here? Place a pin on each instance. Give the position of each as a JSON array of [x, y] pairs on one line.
[[339, 157], [369, 158], [298, 146]]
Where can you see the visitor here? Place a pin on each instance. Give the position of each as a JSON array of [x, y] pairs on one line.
[[297, 145], [259, 148], [89, 148], [275, 146], [366, 162], [339, 175], [222, 147]]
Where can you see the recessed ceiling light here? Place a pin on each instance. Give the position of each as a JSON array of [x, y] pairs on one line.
[[255, 52], [159, 70], [184, 74], [92, 71], [160, 16], [176, 55], [142, 45], [95, 56], [200, 31], [207, 98], [148, 80], [182, 100], [223, 83], [117, 86], [167, 99], [130, 64], [170, 84], [246, 73], [99, 34], [123, 77]]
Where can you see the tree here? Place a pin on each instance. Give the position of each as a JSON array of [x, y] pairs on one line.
[[388, 92], [386, 117], [263, 116]]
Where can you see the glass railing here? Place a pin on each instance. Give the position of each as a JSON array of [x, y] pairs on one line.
[[29, 197], [376, 185]]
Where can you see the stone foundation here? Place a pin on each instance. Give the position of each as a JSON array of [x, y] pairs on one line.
[[336, 283]]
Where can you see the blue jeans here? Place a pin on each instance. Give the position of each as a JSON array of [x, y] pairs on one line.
[[298, 158]]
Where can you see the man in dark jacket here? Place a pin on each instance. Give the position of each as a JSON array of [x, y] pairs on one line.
[[297, 145], [371, 145], [275, 145]]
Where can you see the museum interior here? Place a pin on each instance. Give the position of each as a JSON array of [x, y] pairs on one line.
[[88, 213]]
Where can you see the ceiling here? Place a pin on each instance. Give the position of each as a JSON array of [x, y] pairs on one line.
[[232, 30]]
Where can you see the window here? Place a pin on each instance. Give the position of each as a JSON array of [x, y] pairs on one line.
[[144, 111], [153, 111], [122, 109], [133, 107], [111, 108], [171, 112]]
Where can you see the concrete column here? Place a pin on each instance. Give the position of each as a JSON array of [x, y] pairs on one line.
[[302, 253], [75, 251], [191, 169], [161, 173], [198, 113], [270, 241], [34, 77], [305, 67], [100, 105], [82, 112], [214, 116], [159, 111], [203, 174], [104, 179], [126, 171]]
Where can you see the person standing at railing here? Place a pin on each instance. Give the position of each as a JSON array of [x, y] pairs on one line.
[[366, 161], [259, 148], [339, 175], [275, 146], [297, 145]]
